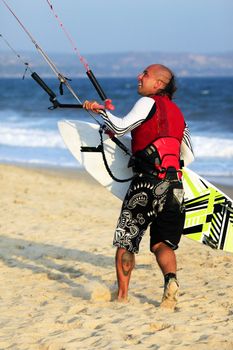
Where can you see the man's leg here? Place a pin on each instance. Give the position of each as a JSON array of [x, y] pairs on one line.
[[165, 257], [166, 260], [125, 262]]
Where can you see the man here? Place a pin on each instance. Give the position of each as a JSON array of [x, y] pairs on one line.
[[155, 195]]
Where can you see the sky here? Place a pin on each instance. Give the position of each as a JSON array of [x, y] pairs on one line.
[[107, 26]]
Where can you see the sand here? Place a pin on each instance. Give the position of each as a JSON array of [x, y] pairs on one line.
[[57, 275]]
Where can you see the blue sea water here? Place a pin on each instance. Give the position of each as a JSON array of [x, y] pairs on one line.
[[29, 133]]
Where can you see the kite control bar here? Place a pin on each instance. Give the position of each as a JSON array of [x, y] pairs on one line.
[[52, 95]]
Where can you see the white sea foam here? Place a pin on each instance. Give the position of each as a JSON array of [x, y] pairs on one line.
[[204, 147], [213, 147], [23, 137]]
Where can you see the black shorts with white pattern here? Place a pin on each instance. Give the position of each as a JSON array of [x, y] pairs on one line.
[[155, 202]]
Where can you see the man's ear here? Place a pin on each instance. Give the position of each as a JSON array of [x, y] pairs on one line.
[[158, 84], [161, 84]]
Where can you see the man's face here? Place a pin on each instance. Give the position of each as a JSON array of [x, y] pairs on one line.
[[147, 82]]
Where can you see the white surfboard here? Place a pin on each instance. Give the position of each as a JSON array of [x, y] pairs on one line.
[[209, 212]]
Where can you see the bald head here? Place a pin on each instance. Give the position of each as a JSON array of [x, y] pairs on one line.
[[161, 73]]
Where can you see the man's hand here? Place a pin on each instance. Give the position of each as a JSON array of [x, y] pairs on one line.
[[93, 106]]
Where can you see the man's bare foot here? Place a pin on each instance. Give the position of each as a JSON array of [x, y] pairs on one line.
[[122, 300], [170, 294]]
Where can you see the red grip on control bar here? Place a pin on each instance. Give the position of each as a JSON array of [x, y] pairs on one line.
[[108, 104]]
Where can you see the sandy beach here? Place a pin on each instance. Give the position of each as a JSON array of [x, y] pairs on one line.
[[58, 283]]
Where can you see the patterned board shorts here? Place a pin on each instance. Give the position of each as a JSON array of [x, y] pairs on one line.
[[155, 202]]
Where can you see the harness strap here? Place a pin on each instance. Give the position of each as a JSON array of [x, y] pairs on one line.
[[161, 158]]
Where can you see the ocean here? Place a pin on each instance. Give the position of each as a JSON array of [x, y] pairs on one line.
[[29, 133]]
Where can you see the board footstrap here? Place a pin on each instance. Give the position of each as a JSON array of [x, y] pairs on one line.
[[92, 149]]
